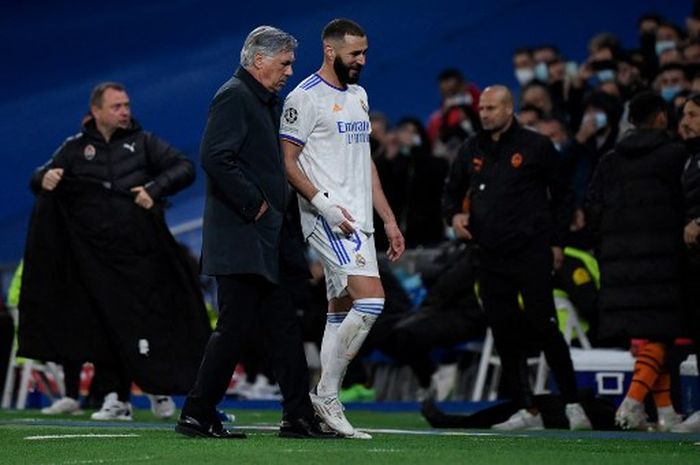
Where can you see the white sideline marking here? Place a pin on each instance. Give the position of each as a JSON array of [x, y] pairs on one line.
[[75, 436], [389, 431], [428, 433], [81, 462]]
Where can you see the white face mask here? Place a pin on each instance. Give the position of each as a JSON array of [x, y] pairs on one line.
[[663, 45], [541, 72], [524, 76]]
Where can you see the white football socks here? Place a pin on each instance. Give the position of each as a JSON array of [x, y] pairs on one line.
[[341, 342]]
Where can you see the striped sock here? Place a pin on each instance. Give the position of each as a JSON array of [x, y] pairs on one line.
[[348, 339], [649, 364]]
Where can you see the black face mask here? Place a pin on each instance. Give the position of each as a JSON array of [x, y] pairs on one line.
[[343, 72]]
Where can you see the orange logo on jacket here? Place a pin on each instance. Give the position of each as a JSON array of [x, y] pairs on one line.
[[516, 160], [477, 162]]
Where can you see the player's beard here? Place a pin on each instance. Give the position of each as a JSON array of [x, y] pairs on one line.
[[343, 72]]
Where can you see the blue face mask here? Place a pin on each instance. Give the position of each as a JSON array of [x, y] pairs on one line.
[[663, 45], [669, 92], [541, 72], [601, 119], [605, 75]]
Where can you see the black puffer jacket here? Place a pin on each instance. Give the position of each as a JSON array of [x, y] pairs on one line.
[[635, 205], [132, 157]]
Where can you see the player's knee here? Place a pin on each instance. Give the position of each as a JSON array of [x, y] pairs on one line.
[[372, 306]]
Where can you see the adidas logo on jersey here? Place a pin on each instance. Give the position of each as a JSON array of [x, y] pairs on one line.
[[336, 108]]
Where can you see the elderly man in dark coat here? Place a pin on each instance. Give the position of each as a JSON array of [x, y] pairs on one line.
[[246, 242], [635, 204]]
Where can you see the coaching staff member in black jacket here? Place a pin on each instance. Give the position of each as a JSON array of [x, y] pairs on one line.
[[519, 210], [246, 245]]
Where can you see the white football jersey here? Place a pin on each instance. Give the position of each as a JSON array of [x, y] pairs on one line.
[[332, 125]]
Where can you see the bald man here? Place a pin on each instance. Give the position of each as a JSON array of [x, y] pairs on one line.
[[519, 211]]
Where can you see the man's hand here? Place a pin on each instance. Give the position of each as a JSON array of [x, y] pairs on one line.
[[263, 209], [690, 233], [51, 179], [557, 257], [335, 215], [142, 199], [459, 223], [396, 242], [587, 129], [579, 221]]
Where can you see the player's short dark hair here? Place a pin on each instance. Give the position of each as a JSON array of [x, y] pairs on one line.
[[99, 90], [644, 107], [340, 27]]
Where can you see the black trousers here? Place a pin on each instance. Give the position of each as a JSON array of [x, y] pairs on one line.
[[246, 301], [519, 332]]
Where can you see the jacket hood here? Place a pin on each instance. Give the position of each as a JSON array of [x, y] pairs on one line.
[[641, 142]]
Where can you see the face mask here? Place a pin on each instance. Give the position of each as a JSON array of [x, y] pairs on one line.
[[541, 72], [524, 75], [467, 127], [601, 119], [668, 92], [605, 75], [417, 141], [663, 45]]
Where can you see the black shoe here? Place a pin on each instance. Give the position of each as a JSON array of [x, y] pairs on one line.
[[305, 428], [193, 428]]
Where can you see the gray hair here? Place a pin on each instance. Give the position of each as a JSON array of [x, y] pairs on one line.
[[268, 41]]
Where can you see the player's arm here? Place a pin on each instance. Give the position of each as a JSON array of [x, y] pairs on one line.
[[381, 205], [335, 215]]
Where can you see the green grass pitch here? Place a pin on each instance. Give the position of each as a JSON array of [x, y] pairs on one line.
[[399, 438]]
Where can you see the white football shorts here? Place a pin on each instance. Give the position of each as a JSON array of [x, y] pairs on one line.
[[342, 256]]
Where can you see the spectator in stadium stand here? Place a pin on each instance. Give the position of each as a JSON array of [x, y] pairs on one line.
[[635, 208], [99, 217], [529, 116], [690, 131], [247, 244], [455, 91], [520, 211], [599, 127], [413, 182], [523, 66], [537, 95], [671, 80]]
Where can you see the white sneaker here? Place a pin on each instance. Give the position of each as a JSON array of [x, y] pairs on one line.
[[63, 405], [668, 418], [578, 420], [690, 425], [113, 409], [162, 406], [631, 415], [330, 410], [521, 420]]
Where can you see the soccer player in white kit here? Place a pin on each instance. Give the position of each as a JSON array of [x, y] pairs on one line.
[[325, 139]]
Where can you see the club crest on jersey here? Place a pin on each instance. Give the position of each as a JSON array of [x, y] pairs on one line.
[[516, 160], [291, 115], [89, 152], [360, 260], [364, 106]]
